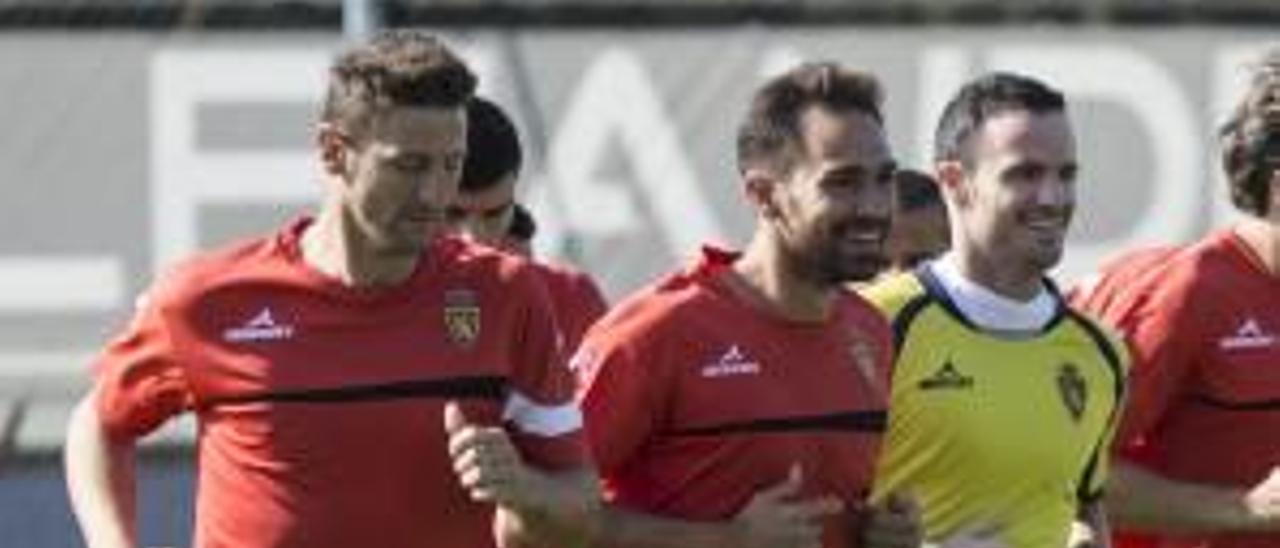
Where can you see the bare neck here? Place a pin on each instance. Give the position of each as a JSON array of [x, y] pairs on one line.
[[767, 273], [1013, 281], [334, 246], [1263, 238]]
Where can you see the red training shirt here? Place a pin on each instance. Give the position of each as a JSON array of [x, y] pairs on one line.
[[1204, 403], [695, 399], [319, 404]]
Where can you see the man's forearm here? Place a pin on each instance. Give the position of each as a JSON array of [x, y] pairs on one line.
[[100, 481], [571, 515], [1146, 501], [622, 528], [613, 527], [564, 516]]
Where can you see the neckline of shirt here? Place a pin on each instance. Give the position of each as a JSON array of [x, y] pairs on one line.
[[290, 244], [715, 268], [990, 310]]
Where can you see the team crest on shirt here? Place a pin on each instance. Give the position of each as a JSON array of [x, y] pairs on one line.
[[1073, 389], [462, 316]]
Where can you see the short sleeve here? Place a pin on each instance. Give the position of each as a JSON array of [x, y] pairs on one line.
[[543, 419], [1163, 350], [619, 392], [139, 379], [585, 305]]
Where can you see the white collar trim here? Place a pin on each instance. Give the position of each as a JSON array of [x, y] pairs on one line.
[[988, 309]]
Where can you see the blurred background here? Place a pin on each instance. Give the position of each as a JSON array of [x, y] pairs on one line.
[[137, 131]]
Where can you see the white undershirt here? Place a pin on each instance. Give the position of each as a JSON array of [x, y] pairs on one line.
[[986, 308]]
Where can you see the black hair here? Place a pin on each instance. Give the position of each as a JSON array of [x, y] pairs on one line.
[[984, 98]]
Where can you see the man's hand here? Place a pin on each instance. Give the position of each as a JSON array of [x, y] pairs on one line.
[[1263, 500], [535, 508], [775, 519], [894, 524], [487, 464]]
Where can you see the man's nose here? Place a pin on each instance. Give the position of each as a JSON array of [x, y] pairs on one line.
[[1053, 191]]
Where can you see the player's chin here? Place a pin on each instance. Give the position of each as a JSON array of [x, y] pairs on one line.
[[861, 267], [404, 243], [1045, 255]]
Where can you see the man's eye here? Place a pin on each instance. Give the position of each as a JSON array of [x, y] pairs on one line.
[[844, 182], [453, 163], [411, 164]]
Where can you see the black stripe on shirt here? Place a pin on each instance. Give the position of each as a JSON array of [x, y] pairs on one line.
[[903, 320], [852, 421], [1256, 405], [1106, 348], [489, 387], [1061, 309], [1112, 357]]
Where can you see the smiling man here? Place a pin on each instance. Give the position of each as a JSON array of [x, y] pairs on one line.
[[1004, 399], [740, 400]]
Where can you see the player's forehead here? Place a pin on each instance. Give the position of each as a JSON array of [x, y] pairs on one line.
[[1016, 136], [846, 137], [419, 130]]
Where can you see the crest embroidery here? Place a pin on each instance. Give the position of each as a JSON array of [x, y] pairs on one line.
[[462, 316], [1073, 389]]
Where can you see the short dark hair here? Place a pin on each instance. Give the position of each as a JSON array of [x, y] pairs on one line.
[[523, 226], [1251, 139], [493, 147], [771, 137], [984, 98], [916, 190], [398, 67]]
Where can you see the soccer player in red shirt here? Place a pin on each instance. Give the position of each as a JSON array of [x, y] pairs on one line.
[[357, 381], [740, 401], [485, 210], [1200, 441]]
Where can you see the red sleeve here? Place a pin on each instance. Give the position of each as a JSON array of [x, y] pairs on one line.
[[1163, 346], [620, 391], [583, 306], [139, 381], [1111, 285], [542, 417]]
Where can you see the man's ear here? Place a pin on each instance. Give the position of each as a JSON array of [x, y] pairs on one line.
[[759, 186], [951, 175], [332, 145]]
